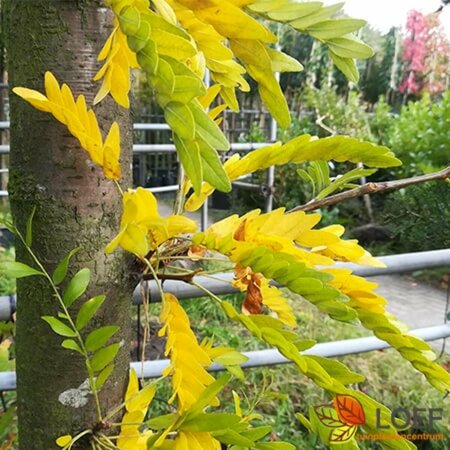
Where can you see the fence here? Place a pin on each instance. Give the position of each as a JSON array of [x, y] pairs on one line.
[[162, 177], [150, 369], [395, 264]]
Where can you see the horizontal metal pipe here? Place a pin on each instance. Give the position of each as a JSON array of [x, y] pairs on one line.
[[272, 357], [168, 148], [221, 283], [408, 262], [162, 189], [247, 186], [136, 126], [151, 126]]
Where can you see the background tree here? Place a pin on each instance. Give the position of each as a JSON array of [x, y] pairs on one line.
[[425, 55], [75, 207]]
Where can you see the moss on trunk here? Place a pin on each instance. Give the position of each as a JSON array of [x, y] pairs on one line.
[[75, 206]]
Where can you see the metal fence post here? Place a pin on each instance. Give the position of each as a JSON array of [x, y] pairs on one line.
[[270, 180]]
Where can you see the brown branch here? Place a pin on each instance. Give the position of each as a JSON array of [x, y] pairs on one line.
[[371, 188], [186, 277]]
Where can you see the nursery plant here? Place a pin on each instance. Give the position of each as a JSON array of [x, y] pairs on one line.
[[78, 264]]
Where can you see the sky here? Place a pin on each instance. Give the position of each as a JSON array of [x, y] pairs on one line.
[[383, 14]]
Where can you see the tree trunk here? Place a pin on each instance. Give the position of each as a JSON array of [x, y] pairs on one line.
[[75, 206]]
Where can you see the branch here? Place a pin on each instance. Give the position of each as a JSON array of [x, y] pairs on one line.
[[371, 188], [186, 277]]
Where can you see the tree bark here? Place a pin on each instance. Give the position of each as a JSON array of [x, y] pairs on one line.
[[75, 207]]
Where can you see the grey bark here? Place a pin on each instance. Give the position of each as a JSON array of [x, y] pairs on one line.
[[75, 206]]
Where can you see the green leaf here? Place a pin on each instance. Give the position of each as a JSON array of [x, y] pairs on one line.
[[104, 356], [257, 433], [59, 327], [180, 119], [334, 28], [70, 344], [61, 270], [274, 446], [189, 154], [103, 376], [147, 57], [140, 39], [77, 286], [304, 421], [338, 371], [346, 65], [289, 11], [342, 181], [231, 437], [350, 47], [88, 310], [130, 20], [207, 129], [29, 235], [161, 422], [210, 393], [322, 14], [236, 371], [231, 359], [15, 269], [210, 422], [99, 337], [213, 171]]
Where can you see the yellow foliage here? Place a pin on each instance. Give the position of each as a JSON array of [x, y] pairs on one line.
[[115, 72], [360, 291], [142, 228], [299, 150], [259, 293], [137, 403], [64, 441], [291, 234], [189, 377], [196, 441], [272, 299], [226, 72], [80, 121]]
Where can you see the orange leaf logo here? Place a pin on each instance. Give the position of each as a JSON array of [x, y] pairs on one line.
[[349, 410]]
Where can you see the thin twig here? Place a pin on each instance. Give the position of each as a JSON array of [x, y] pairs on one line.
[[186, 277], [371, 188], [319, 122]]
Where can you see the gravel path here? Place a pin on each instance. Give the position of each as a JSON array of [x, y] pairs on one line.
[[418, 305]]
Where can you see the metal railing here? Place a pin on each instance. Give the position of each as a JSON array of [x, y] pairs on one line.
[[151, 369], [394, 264], [142, 149]]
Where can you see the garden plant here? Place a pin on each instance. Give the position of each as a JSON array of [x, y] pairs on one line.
[[85, 239]]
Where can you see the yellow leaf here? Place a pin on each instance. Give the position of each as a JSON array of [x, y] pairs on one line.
[[273, 299], [115, 72], [237, 404], [79, 120], [196, 441], [189, 377], [132, 388], [142, 228], [165, 10], [62, 441], [35, 98], [111, 153]]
